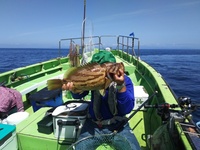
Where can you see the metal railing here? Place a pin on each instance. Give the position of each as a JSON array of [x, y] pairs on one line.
[[125, 43]]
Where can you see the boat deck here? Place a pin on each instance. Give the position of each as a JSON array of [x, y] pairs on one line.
[[27, 131], [28, 135]]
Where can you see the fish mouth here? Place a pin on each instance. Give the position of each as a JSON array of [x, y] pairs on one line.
[[110, 76]]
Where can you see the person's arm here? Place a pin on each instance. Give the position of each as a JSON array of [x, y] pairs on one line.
[[126, 98]]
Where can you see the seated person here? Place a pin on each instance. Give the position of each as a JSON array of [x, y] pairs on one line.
[[106, 112], [10, 101]]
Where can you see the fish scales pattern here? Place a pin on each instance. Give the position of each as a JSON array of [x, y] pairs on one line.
[[91, 76]]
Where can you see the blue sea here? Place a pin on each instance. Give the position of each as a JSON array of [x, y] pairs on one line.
[[179, 67]]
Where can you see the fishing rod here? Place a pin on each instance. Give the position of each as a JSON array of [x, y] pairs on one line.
[[186, 105], [124, 122]]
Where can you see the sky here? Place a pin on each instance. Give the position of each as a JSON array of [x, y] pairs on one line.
[[159, 24]]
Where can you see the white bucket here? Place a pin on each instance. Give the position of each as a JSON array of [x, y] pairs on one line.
[[17, 117]]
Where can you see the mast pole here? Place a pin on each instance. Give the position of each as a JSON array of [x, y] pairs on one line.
[[83, 30]]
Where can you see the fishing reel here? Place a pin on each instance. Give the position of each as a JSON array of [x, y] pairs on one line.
[[164, 111], [184, 101], [186, 104]]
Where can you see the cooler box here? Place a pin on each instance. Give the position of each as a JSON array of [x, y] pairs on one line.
[[68, 120], [46, 98], [8, 139], [140, 96]]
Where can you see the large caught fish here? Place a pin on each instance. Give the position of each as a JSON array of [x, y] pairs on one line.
[[88, 77]]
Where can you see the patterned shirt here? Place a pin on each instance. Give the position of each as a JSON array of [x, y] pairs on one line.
[[9, 98]]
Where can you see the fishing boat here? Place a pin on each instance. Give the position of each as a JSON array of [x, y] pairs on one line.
[[153, 99], [159, 119]]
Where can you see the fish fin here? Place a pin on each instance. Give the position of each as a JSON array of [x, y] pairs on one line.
[[88, 65], [54, 84], [69, 72], [73, 70], [102, 92]]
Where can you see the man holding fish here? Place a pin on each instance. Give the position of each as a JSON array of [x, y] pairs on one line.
[[112, 95]]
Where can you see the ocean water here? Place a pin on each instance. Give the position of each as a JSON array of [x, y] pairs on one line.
[[179, 67]]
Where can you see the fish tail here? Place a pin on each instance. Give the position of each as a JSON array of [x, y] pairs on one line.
[[54, 84]]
